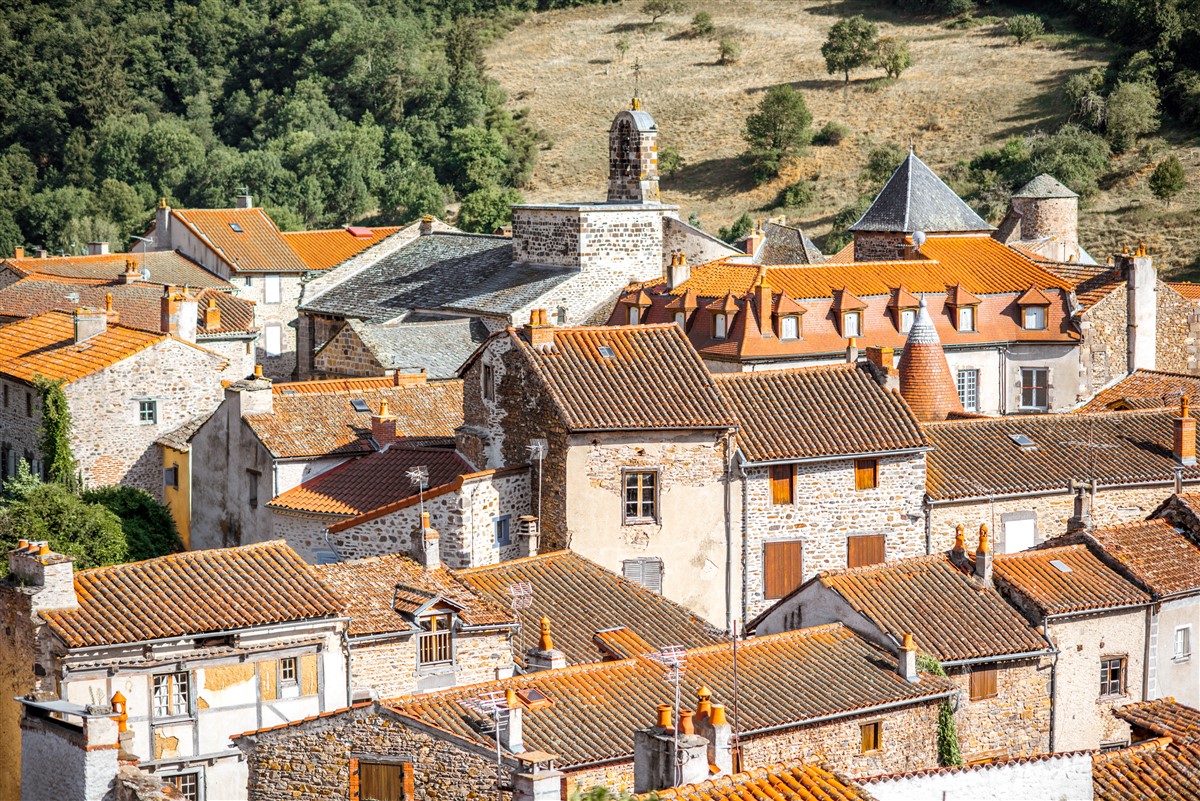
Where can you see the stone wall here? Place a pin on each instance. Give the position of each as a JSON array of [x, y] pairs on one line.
[[1048, 217], [252, 286], [1103, 355], [828, 509], [389, 667], [1178, 332], [877, 246], [1016, 723], [304, 533], [346, 355], [20, 421], [696, 245], [26, 665]]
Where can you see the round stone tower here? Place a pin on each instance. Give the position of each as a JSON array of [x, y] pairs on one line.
[[1048, 211], [633, 157]]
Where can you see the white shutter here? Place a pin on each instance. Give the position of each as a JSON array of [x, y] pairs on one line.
[[271, 291], [647, 572], [632, 570], [272, 339]]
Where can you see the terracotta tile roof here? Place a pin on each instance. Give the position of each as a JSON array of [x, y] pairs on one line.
[[195, 592], [925, 380], [1145, 389], [370, 481], [258, 246], [1086, 584], [621, 643], [324, 423], [979, 459], [843, 256], [45, 345], [1187, 289], [653, 379], [320, 250], [166, 267], [950, 615], [1096, 288], [347, 384], [1164, 717], [581, 598], [1159, 558], [817, 411], [776, 782], [370, 589], [1156, 770], [784, 678]]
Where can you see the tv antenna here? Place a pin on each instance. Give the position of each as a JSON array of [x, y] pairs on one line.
[[492, 707], [419, 478], [673, 658], [537, 451]]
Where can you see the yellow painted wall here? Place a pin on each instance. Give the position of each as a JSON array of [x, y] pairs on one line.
[[179, 499]]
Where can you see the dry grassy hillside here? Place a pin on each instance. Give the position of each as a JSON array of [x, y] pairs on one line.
[[967, 90]]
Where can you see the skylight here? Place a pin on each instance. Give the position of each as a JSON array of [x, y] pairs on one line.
[[607, 352], [1022, 441], [289, 392], [360, 405], [1060, 566], [237, 229]]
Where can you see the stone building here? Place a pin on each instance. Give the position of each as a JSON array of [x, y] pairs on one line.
[[125, 388], [832, 474], [638, 444], [1145, 389], [234, 637], [1000, 664], [1043, 221], [821, 691]]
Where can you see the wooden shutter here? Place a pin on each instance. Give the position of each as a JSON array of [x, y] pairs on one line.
[[983, 683], [869, 549], [870, 737], [783, 567], [267, 679], [308, 674], [385, 781], [647, 572], [782, 483], [866, 474]]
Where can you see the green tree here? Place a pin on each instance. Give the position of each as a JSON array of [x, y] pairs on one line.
[[729, 50], [739, 228], [1168, 179], [622, 47], [1132, 112], [1072, 155], [147, 525], [55, 433], [1024, 27], [851, 44], [882, 161], [839, 236], [657, 9], [778, 129], [50, 511], [702, 25], [487, 209], [892, 56], [669, 161]]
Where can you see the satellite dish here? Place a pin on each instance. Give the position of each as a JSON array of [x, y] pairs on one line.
[[918, 238], [145, 273]]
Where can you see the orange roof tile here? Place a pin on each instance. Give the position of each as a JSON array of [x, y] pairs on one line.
[[1086, 583], [1155, 770], [776, 782], [622, 643], [45, 345], [1165, 718], [348, 384], [166, 267], [1145, 389], [925, 380], [1189, 290], [957, 296], [195, 592], [320, 250], [1157, 556], [258, 246], [1033, 297]]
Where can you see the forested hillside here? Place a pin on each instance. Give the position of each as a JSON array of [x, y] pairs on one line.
[[328, 110]]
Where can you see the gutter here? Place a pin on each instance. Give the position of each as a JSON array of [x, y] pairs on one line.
[[1042, 493], [836, 456], [745, 542], [976, 660]]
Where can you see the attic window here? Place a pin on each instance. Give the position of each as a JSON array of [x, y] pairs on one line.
[[237, 229], [607, 352], [289, 392], [1023, 442], [360, 405], [533, 698], [1060, 566]]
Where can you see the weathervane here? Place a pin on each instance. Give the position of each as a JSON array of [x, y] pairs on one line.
[[637, 73]]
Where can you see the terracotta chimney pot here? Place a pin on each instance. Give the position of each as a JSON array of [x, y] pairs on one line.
[[685, 722], [664, 716], [717, 718], [545, 641]]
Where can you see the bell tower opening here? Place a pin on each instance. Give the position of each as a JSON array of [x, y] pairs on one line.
[[633, 157]]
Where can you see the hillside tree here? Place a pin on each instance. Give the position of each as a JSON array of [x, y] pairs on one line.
[[657, 9], [777, 130], [1168, 179], [892, 56], [852, 44]]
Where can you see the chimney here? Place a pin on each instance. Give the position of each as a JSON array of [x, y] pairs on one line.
[[244, 199], [426, 225], [925, 380], [906, 664], [753, 240], [1184, 449], [97, 248], [212, 316], [41, 253], [679, 271], [958, 554], [545, 656], [1141, 285], [19, 252], [529, 535], [383, 427], [428, 545], [161, 238], [766, 303], [538, 332], [983, 556], [852, 351], [33, 564], [88, 324], [251, 395], [131, 274], [712, 725], [110, 315], [1081, 517], [541, 782], [884, 358], [179, 313], [656, 763], [512, 731]]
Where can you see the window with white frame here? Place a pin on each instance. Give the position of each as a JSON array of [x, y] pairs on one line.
[[968, 389], [1035, 388], [641, 496], [188, 784], [966, 318], [271, 288], [1112, 676], [852, 324], [633, 315], [147, 411], [289, 671], [1183, 644], [789, 327], [273, 339], [171, 695], [1034, 318], [907, 318], [720, 322]]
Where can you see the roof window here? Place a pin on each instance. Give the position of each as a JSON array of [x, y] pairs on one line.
[[607, 352], [533, 698], [289, 391], [237, 229], [1060, 566], [1023, 442], [360, 405]]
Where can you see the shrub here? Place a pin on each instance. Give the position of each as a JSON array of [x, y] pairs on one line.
[[89, 532], [148, 527], [776, 131], [1072, 155], [729, 50], [702, 25], [797, 195], [1132, 112], [1085, 92], [882, 161], [1168, 179], [622, 47], [669, 161], [1024, 27], [832, 133], [487, 209], [740, 227], [851, 44], [657, 9], [839, 236], [892, 56]]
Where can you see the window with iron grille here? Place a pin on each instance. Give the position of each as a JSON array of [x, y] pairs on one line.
[[641, 496], [171, 695], [1035, 388], [435, 643], [1112, 676], [968, 389], [188, 784]]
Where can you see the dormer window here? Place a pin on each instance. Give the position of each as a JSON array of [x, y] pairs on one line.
[[720, 326], [435, 644], [789, 327], [966, 318], [852, 324], [1034, 318], [907, 318]]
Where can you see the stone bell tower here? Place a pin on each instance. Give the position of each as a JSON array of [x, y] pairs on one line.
[[633, 157]]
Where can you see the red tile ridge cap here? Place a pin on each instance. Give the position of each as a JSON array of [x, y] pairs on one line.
[[297, 722], [1167, 411], [541, 557], [1153, 744], [805, 369], [897, 564]]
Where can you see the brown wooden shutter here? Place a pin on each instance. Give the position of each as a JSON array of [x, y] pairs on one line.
[[866, 474], [308, 674], [384, 781], [268, 675], [783, 477], [783, 567], [869, 549], [983, 683]]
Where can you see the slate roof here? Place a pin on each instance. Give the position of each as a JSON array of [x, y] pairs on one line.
[[465, 272], [369, 588], [1044, 186], [950, 615], [437, 346], [195, 592], [1164, 717], [582, 598], [45, 345], [309, 424], [1087, 584], [320, 250], [915, 199], [166, 267], [794, 782], [1159, 557], [1155, 770], [654, 379], [979, 459], [1145, 389], [257, 247], [784, 679], [817, 411], [786, 244], [370, 481]]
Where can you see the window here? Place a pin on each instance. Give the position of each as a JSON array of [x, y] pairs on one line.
[[866, 549], [641, 496], [907, 318], [489, 382], [5, 456], [288, 671], [1035, 388], [866, 474], [789, 327], [188, 784], [503, 530], [983, 683], [237, 229], [783, 567], [681, 320], [359, 405], [272, 339], [171, 477], [647, 571], [252, 477], [385, 781], [1034, 318], [271, 290], [1183, 644], [29, 404], [1112, 676], [872, 736], [434, 644], [562, 315], [966, 318], [1018, 532], [783, 481], [852, 324], [249, 280], [147, 412], [968, 389], [633, 315], [719, 324], [171, 695]]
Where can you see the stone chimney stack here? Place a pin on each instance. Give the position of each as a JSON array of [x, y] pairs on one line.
[[545, 656], [852, 351], [884, 358], [1081, 516], [512, 730], [131, 274], [539, 332], [656, 763], [541, 782], [251, 395], [1184, 449], [97, 248], [19, 252], [925, 380], [906, 664], [428, 544], [162, 228], [529, 535], [426, 225], [244, 199], [212, 315], [35, 565], [713, 725], [679, 271], [180, 313], [383, 427], [88, 324], [1141, 287], [983, 556]]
